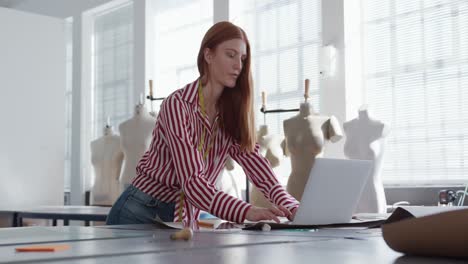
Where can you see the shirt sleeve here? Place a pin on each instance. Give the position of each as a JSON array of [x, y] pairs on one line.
[[188, 165], [258, 170]]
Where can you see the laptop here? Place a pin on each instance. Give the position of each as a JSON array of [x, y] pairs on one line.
[[332, 191]]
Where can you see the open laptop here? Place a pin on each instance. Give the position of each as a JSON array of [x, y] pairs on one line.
[[332, 191]]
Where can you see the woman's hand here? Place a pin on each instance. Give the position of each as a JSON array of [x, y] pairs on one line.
[[293, 214], [256, 214]]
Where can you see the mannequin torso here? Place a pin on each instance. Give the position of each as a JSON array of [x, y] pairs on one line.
[[365, 140], [135, 136], [306, 135], [270, 148], [106, 158]]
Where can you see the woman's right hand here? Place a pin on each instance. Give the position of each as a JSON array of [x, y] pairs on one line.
[[256, 214]]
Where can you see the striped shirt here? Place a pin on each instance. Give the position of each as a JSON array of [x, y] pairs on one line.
[[173, 163]]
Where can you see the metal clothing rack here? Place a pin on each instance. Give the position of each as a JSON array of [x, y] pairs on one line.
[[150, 96], [264, 111]]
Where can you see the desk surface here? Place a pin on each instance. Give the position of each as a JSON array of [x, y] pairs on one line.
[[145, 244], [61, 209]]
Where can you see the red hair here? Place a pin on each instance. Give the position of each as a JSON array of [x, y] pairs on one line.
[[236, 104]]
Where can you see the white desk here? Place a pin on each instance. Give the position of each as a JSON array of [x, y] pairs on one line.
[[144, 244], [54, 213]]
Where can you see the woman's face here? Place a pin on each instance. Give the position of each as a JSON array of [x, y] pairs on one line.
[[226, 61]]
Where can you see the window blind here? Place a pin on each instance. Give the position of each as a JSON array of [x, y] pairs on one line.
[[416, 79], [179, 27], [112, 67], [285, 38]]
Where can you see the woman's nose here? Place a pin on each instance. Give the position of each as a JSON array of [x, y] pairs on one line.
[[238, 64]]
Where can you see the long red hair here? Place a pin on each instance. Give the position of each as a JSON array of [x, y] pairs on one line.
[[236, 104]]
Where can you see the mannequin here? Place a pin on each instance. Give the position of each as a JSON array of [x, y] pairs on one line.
[[270, 148], [106, 158], [229, 166], [365, 140], [135, 136], [306, 135]]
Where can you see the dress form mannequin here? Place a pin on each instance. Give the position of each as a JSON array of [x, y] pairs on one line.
[[106, 158], [270, 148], [365, 140], [135, 134], [306, 135], [229, 164]]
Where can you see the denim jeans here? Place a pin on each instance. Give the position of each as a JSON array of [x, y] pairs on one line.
[[137, 207]]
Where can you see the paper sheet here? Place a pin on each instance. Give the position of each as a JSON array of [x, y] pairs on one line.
[[442, 234]]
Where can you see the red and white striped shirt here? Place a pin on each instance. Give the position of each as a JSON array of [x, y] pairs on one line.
[[173, 163]]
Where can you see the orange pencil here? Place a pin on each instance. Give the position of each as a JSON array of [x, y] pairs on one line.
[[42, 248]]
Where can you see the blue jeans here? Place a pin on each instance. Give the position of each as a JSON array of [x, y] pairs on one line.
[[137, 207]]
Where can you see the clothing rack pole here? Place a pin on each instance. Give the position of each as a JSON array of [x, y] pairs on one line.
[[155, 98], [264, 111]]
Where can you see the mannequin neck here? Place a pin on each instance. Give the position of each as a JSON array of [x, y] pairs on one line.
[[108, 131], [140, 111], [305, 109], [363, 114], [263, 130]]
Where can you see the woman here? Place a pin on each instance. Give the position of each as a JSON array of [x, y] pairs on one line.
[[197, 128]]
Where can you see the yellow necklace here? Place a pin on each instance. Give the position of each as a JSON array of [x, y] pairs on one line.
[[215, 129], [201, 142]]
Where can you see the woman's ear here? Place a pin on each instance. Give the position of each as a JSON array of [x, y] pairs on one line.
[[207, 55]]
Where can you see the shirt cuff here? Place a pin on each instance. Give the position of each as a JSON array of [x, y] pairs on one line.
[[229, 208], [279, 196]]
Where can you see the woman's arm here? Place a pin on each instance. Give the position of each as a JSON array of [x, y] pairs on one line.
[[188, 164], [258, 170]]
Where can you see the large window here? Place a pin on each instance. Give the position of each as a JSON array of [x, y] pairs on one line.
[[179, 27], [112, 67], [111, 95], [285, 38], [416, 79]]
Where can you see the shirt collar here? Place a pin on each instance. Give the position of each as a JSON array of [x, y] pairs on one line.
[[190, 92]]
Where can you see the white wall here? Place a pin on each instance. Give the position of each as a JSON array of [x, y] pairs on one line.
[[32, 109]]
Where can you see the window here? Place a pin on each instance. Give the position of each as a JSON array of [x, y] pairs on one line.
[[179, 27], [111, 95], [285, 37], [416, 79], [112, 67], [285, 40]]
